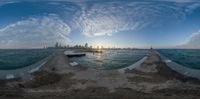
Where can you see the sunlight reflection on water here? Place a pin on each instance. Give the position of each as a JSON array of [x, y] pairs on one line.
[[110, 59]]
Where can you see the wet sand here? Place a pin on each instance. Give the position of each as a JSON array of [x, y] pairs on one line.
[[153, 79]]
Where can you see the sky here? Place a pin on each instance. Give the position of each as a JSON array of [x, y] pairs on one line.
[[108, 23]]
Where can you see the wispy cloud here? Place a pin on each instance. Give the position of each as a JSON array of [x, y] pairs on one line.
[[107, 18], [180, 1], [93, 18], [34, 33]]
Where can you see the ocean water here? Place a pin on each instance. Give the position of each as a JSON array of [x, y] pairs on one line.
[[110, 59], [187, 57], [18, 58]]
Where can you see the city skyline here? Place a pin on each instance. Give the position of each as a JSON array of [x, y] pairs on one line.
[[108, 23]]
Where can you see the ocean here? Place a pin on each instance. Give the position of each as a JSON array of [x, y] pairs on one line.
[[187, 57], [18, 58], [110, 59]]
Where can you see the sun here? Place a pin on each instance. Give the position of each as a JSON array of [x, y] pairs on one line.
[[99, 47]]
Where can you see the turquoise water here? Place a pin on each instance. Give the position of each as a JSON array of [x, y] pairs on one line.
[[17, 58], [110, 59], [186, 57]]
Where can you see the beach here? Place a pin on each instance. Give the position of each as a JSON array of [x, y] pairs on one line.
[[151, 78]]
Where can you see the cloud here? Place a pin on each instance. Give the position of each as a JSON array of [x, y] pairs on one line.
[[108, 18], [180, 1], [34, 33], [92, 18], [105, 18], [4, 2], [193, 41]]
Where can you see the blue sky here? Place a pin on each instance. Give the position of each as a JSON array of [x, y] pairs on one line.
[[119, 23]]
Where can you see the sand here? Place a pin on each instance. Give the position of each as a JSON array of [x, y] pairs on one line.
[[153, 79]]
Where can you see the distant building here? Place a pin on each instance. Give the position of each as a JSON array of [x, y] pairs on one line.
[[56, 45], [90, 47], [86, 45]]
